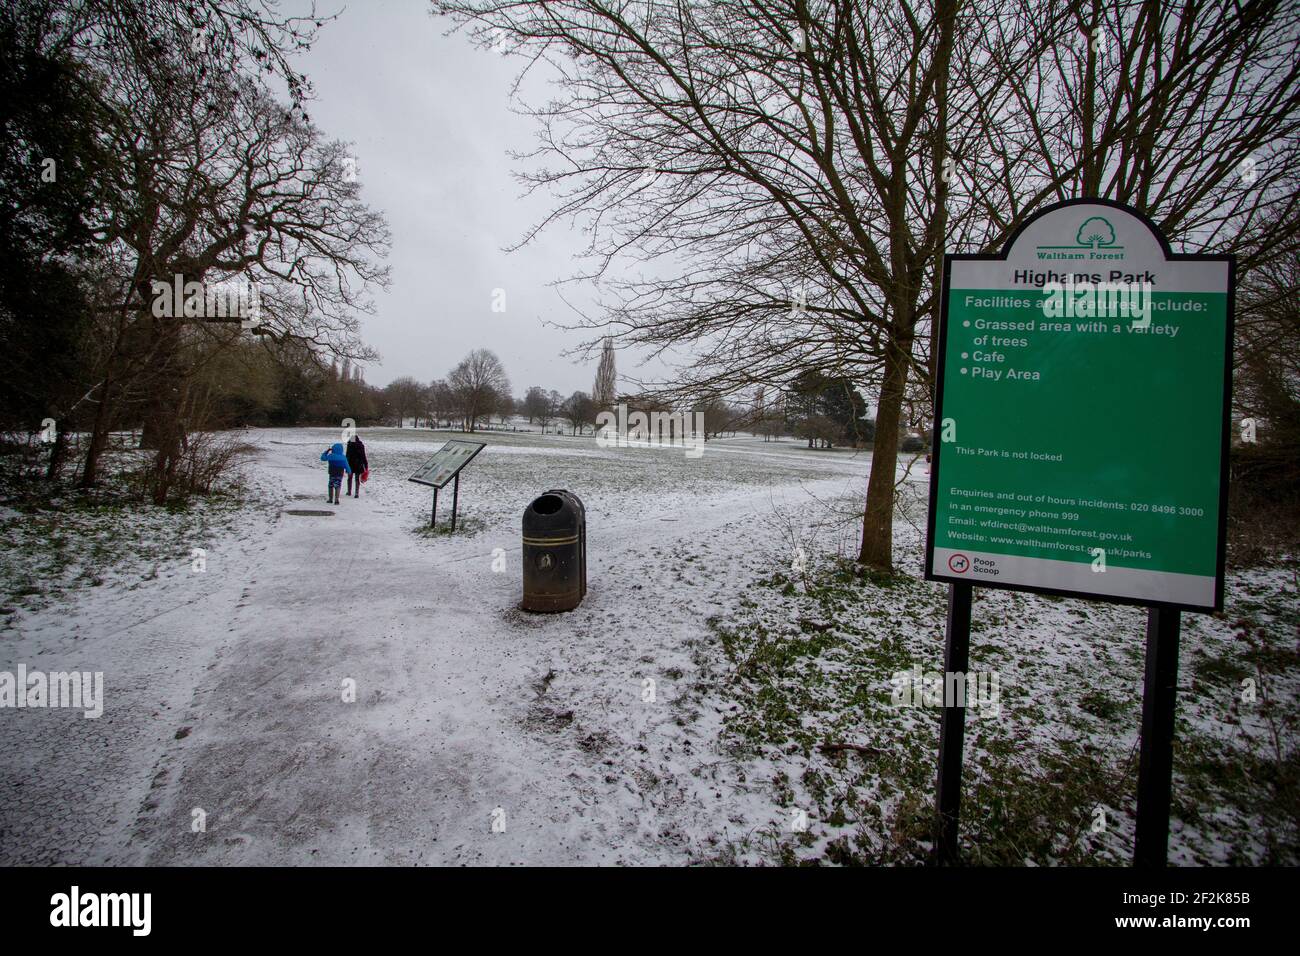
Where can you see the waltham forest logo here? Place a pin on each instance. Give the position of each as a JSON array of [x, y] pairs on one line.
[[1095, 240]]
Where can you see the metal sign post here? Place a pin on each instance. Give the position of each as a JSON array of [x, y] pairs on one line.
[[1083, 318], [443, 467], [952, 732], [1155, 762]]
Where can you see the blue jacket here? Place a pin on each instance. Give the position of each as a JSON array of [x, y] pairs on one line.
[[338, 461]]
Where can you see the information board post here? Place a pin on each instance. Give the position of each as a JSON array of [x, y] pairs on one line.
[[952, 732], [1155, 762], [455, 501]]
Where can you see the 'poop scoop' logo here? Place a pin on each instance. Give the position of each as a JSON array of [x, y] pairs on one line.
[[1094, 240]]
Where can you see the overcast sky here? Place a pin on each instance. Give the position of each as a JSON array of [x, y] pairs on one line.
[[431, 122]]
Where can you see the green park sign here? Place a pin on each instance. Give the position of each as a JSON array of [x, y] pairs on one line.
[[1081, 448], [1081, 417]]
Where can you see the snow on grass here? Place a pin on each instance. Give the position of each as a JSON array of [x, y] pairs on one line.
[[807, 670], [703, 694], [110, 586], [50, 552]]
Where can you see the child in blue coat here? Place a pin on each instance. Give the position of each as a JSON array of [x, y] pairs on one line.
[[338, 463]]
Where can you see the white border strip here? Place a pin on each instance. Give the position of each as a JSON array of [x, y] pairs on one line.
[[985, 567]]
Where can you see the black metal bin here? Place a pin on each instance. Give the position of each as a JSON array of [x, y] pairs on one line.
[[555, 552]]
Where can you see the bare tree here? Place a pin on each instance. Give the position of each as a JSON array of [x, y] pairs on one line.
[[536, 404], [477, 382], [1191, 114], [771, 158], [579, 410], [504, 408], [797, 169], [1266, 393], [554, 404], [404, 397], [441, 403], [604, 390], [264, 199], [218, 183]]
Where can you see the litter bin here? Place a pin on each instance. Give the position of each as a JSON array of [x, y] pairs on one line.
[[555, 552]]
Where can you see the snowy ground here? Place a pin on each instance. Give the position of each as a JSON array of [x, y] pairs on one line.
[[225, 687]]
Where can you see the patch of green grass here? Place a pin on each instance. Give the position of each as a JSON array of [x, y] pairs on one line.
[[63, 540], [1261, 784], [1221, 670], [466, 527], [1101, 705]]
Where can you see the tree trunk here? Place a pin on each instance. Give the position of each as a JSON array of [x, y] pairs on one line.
[[98, 436], [163, 381], [946, 13], [170, 434], [59, 453], [878, 520], [164, 428]]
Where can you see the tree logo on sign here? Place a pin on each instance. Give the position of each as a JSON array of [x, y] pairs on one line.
[[1095, 232]]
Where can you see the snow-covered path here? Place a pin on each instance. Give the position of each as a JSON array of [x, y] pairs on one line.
[[466, 709]]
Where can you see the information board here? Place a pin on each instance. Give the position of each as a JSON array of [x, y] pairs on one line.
[[1082, 413], [450, 459]]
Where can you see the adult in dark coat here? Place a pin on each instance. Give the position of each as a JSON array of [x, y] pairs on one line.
[[357, 464]]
